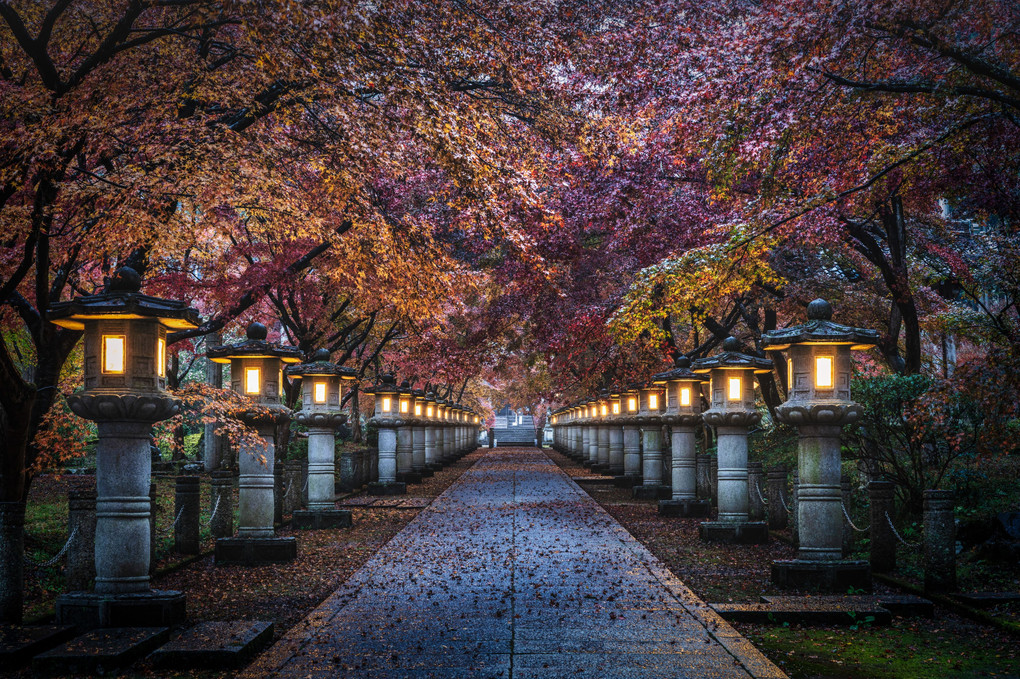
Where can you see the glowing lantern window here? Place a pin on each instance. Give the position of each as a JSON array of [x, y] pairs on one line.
[[735, 388], [616, 408], [653, 401], [685, 396], [605, 410], [417, 409], [161, 357], [428, 411], [789, 374], [823, 371], [113, 353], [320, 392], [386, 404], [252, 381], [632, 404], [403, 406]]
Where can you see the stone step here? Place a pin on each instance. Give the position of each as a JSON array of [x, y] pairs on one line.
[[986, 599], [101, 650], [215, 645], [19, 644], [805, 611], [902, 605]]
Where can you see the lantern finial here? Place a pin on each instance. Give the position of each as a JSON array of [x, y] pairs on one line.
[[258, 332], [819, 310], [320, 356], [683, 361], [125, 279], [731, 343]]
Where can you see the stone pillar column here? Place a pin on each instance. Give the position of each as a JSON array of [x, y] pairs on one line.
[[778, 517], [794, 509], [881, 542], [683, 463], [819, 516], [713, 477], [293, 493], [430, 448], [632, 451], [602, 463], [732, 473], [418, 462], [279, 488], [12, 567], [221, 510], [405, 455], [256, 485], [755, 492], [81, 555], [187, 504], [703, 471], [652, 486], [939, 542], [321, 468], [387, 455], [615, 450], [152, 526]]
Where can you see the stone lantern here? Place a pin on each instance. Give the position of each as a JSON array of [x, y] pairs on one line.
[[732, 413], [683, 414], [405, 435], [386, 417], [125, 334], [418, 426], [629, 400], [322, 385], [432, 462], [256, 371], [819, 405], [651, 405], [615, 433], [601, 462]]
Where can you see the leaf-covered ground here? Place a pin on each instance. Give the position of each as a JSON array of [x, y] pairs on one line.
[[948, 646]]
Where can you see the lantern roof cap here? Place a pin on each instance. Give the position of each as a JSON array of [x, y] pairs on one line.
[[405, 387], [122, 300], [733, 359], [385, 384], [819, 329], [319, 365], [682, 371], [420, 393], [255, 346]]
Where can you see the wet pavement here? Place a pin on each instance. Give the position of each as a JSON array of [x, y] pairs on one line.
[[513, 572]]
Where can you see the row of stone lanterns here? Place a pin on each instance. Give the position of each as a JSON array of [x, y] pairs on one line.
[[125, 351], [819, 405], [419, 433]]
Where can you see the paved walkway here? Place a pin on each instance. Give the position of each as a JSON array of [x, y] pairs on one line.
[[513, 572]]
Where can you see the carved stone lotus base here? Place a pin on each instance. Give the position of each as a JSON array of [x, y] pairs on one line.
[[126, 407], [731, 418], [836, 413], [320, 420]]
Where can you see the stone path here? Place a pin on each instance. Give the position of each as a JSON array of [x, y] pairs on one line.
[[513, 572]]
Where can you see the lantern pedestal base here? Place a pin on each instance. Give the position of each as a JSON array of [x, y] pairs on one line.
[[89, 610], [626, 481], [822, 576], [434, 467], [254, 551], [427, 473], [600, 468], [658, 492], [377, 488], [321, 519], [734, 532], [409, 477], [686, 509]]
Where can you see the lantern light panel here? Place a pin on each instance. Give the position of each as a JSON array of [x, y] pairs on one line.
[[320, 392], [386, 404], [161, 357], [252, 381], [653, 401], [113, 353], [685, 396], [823, 371], [735, 388]]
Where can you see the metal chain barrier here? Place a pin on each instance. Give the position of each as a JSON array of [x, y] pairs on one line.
[[850, 521], [783, 500], [761, 497], [57, 557], [216, 506], [164, 533], [899, 537]]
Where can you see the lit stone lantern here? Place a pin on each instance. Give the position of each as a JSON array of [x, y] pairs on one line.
[[405, 435], [432, 462], [593, 433], [732, 413], [819, 405], [613, 424], [683, 414], [256, 371], [322, 386], [125, 336], [629, 409], [601, 465], [651, 406], [386, 417], [418, 426]]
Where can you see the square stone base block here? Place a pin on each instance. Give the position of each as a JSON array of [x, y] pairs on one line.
[[686, 509], [254, 551], [837, 577], [427, 473], [644, 492], [19, 644], [100, 651], [215, 645], [89, 610], [396, 488], [598, 468], [734, 532], [409, 477], [434, 467], [321, 519], [626, 481]]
